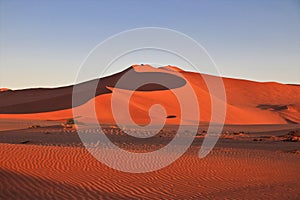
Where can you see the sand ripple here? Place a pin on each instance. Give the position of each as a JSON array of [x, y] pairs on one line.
[[52, 172]]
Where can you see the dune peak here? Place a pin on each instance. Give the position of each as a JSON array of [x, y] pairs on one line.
[[150, 68], [4, 89], [144, 66]]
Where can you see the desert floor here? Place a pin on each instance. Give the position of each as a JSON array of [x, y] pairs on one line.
[[248, 162]]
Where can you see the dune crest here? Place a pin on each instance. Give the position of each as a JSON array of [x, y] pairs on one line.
[[4, 89]]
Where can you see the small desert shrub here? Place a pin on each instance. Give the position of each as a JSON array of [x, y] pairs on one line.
[[70, 124], [70, 121], [34, 126]]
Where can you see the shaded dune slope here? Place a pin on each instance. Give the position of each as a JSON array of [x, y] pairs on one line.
[[45, 100]]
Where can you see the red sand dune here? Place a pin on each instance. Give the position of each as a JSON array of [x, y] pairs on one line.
[[248, 102], [4, 89]]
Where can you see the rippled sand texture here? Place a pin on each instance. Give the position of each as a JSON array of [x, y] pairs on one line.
[[47, 172]]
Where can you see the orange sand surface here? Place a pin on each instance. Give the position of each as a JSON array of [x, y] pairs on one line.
[[53, 172]]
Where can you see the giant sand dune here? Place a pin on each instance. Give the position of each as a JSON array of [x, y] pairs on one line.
[[247, 102]]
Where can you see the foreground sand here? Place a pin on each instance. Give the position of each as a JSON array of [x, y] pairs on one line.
[[53, 172]]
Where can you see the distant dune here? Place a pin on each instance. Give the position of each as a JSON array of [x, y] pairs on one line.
[[4, 89], [248, 102]]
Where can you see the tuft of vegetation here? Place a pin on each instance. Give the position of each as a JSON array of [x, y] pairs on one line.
[[70, 121], [34, 126], [69, 124]]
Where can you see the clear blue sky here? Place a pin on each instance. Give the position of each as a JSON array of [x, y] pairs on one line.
[[42, 43]]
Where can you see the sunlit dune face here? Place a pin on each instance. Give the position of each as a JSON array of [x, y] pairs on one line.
[[166, 99], [139, 106], [4, 89]]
